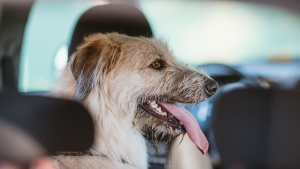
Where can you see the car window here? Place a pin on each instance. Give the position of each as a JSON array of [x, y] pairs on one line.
[[46, 39], [198, 32], [227, 32]]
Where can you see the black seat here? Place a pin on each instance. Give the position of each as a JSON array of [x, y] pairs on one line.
[[256, 128], [32, 126], [119, 18]]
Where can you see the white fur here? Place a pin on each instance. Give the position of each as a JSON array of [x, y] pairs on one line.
[[116, 137], [116, 92]]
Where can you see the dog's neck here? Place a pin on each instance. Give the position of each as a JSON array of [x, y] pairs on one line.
[[115, 135]]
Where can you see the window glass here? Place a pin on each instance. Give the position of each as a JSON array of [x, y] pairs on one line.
[[48, 31], [197, 32], [227, 32]]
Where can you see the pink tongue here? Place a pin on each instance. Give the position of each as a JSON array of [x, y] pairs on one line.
[[190, 123]]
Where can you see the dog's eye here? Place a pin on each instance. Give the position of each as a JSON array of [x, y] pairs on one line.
[[157, 64]]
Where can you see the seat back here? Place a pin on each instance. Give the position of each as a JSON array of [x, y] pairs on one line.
[[31, 126], [256, 128], [119, 18]]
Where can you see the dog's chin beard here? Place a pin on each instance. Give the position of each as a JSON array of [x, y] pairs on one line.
[[154, 128], [157, 125]]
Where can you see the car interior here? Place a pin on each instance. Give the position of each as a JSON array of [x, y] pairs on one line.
[[251, 48]]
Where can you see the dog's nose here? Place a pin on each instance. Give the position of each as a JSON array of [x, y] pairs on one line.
[[211, 87]]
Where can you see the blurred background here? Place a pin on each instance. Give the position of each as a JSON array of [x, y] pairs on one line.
[[243, 44], [198, 32]]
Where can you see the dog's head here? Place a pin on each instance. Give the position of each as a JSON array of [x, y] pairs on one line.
[[143, 80]]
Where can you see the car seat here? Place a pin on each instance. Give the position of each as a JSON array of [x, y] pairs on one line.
[[257, 128], [119, 18], [32, 126]]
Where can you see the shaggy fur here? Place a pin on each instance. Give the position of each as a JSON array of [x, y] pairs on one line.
[[112, 75]]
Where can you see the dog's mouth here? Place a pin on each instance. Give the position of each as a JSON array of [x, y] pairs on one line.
[[177, 118], [156, 109]]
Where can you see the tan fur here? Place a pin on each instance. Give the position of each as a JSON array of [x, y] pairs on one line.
[[111, 75]]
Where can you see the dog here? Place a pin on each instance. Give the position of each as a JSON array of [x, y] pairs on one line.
[[130, 85]]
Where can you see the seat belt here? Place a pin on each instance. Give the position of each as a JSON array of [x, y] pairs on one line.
[[7, 69]]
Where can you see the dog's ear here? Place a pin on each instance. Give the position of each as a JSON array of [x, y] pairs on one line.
[[96, 56]]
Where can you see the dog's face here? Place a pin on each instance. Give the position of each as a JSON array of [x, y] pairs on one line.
[[143, 79]]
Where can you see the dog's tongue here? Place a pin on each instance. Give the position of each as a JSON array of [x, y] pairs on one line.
[[190, 123]]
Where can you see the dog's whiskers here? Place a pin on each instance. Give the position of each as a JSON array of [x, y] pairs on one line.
[[155, 127], [141, 118], [181, 139]]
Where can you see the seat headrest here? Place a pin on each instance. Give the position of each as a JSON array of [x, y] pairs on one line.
[[119, 18]]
